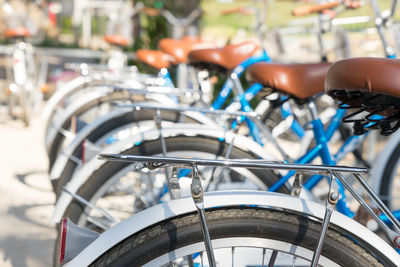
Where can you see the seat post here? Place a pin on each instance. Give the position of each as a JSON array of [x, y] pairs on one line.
[[313, 110], [182, 75], [237, 86], [319, 134]]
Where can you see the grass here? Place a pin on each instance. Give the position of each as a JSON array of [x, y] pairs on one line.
[[279, 14]]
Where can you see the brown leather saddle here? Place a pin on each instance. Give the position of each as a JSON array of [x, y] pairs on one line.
[[369, 85], [222, 59], [117, 40], [180, 49], [155, 58], [17, 33], [300, 81]]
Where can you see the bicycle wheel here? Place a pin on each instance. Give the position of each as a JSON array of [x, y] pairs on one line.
[[241, 236], [120, 191], [390, 183], [106, 131], [112, 178], [82, 113]]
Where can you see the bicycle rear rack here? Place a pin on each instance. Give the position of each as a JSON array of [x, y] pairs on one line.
[[238, 116], [334, 172]]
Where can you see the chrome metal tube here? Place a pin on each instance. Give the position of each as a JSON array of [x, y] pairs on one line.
[[189, 109], [243, 163]]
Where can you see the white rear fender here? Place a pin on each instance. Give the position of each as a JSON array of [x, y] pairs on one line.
[[102, 94], [69, 88], [66, 153], [186, 129], [220, 199]]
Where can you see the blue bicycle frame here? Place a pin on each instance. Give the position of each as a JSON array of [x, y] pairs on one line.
[[321, 149], [322, 136]]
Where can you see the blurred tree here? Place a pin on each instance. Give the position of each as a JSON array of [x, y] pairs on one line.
[[154, 28], [181, 8]]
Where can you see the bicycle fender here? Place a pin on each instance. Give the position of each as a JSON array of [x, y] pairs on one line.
[[186, 129], [72, 109], [68, 88], [102, 95], [267, 200]]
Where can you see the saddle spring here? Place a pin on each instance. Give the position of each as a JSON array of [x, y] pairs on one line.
[[383, 111]]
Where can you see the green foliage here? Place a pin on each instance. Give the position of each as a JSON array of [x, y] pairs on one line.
[[152, 28]]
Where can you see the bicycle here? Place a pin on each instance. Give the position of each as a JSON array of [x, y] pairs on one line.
[[21, 68]]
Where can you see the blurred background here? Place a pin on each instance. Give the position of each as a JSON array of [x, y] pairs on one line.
[[63, 33], [57, 26]]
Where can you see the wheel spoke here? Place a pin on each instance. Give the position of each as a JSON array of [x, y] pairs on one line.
[[233, 256], [272, 260], [99, 223], [294, 260], [263, 257], [189, 259]]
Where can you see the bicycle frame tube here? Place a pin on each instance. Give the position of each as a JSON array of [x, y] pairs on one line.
[[335, 122], [321, 142], [253, 129], [238, 70], [287, 112], [321, 149], [164, 73]]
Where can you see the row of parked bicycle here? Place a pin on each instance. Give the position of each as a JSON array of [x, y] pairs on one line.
[[142, 201]]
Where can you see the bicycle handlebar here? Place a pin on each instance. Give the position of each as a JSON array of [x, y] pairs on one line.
[[196, 13], [232, 10], [305, 10]]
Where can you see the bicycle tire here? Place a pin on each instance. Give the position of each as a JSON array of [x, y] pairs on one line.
[[181, 233]]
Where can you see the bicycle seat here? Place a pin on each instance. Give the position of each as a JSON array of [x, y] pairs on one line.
[[156, 59], [364, 75], [299, 80], [227, 57], [367, 84], [116, 39], [180, 49], [17, 33]]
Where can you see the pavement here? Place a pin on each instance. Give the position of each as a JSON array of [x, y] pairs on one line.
[[26, 198]]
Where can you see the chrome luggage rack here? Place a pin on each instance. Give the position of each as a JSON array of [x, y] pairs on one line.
[[334, 173], [221, 115]]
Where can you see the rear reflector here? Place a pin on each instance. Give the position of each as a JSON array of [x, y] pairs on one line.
[[63, 238], [73, 239]]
